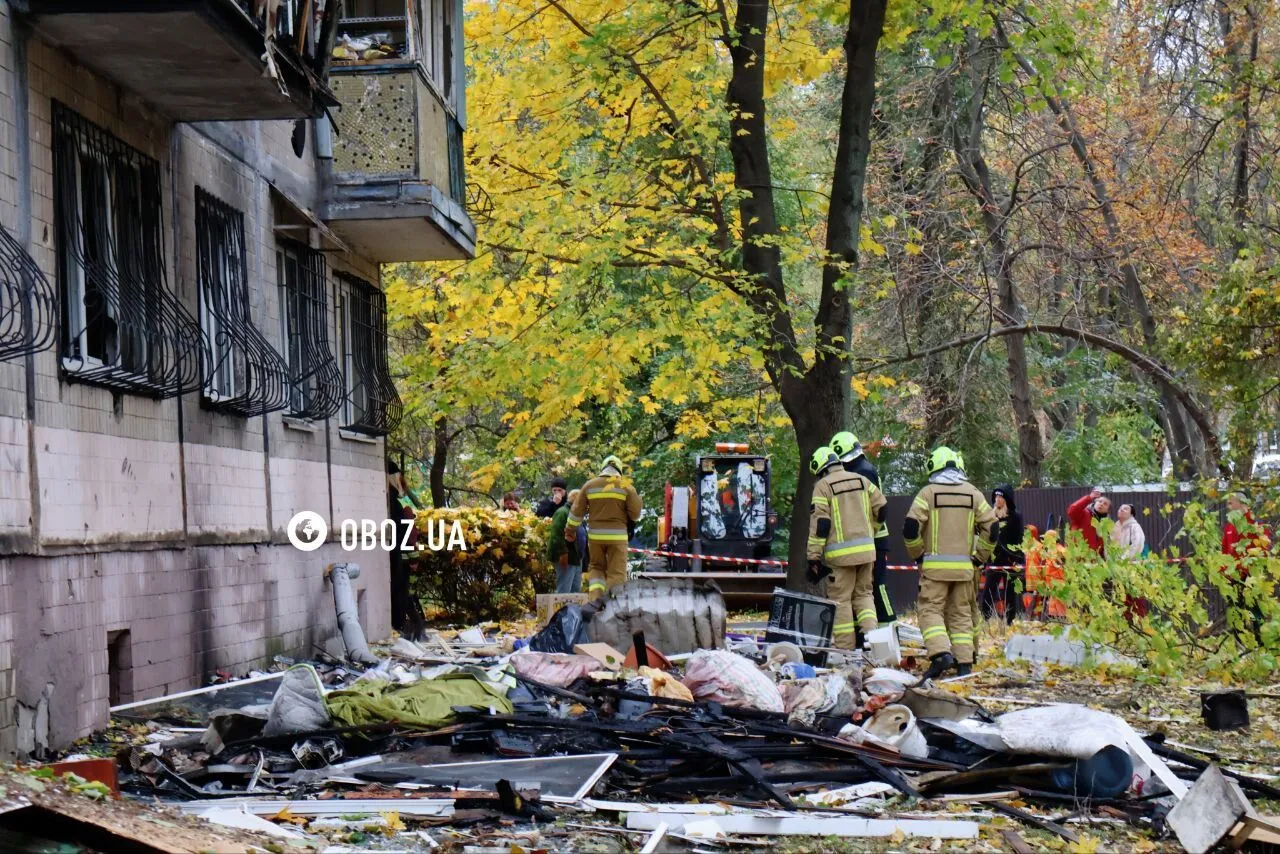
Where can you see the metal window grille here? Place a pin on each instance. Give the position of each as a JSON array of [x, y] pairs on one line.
[[27, 302], [121, 326], [246, 375], [372, 405], [315, 382]]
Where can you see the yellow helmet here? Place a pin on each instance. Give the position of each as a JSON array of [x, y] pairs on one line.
[[613, 461], [822, 458], [843, 443], [942, 457]]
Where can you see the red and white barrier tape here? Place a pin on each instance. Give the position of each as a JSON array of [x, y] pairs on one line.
[[711, 558], [904, 567]]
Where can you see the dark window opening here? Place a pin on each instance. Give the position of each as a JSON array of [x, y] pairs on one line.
[[119, 667], [245, 375], [315, 382], [121, 325], [371, 404]]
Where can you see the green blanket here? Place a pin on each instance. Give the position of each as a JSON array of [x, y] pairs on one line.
[[427, 704]]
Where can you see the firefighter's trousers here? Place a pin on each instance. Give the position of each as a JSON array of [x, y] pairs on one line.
[[880, 583], [850, 587], [946, 617], [607, 566]]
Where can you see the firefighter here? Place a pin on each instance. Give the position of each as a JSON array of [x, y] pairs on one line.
[[941, 526], [843, 517], [854, 459], [612, 505]]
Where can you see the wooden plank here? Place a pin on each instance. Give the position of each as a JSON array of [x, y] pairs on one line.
[[1016, 842]]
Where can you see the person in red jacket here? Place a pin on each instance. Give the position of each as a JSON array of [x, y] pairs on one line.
[[1254, 539], [1083, 516], [1237, 543]]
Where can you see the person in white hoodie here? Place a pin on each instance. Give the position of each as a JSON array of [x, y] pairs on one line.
[[1128, 534]]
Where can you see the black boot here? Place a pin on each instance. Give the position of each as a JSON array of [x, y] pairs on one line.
[[939, 664], [964, 669]]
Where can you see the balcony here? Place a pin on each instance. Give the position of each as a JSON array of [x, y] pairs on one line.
[[397, 189], [200, 60]]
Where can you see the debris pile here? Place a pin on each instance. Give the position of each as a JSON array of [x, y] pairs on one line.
[[648, 717]]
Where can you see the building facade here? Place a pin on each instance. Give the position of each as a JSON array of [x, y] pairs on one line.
[[196, 197]]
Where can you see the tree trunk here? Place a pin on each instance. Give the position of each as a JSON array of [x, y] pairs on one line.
[[439, 459], [1180, 446], [922, 200], [976, 175], [816, 399]]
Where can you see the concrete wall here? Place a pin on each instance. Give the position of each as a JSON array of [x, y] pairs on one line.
[[157, 525]]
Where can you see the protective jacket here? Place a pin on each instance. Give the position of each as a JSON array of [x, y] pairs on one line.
[[611, 502], [941, 525], [861, 465], [846, 510]]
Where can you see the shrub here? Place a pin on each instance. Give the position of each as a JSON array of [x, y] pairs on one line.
[[1202, 619], [496, 577]]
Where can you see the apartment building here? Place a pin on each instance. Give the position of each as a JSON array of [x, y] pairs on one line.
[[196, 197]]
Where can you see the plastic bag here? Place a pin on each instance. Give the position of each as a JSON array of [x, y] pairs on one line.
[[731, 680], [566, 629], [554, 669]]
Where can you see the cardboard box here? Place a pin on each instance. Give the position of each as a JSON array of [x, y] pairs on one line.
[[601, 652], [548, 603]]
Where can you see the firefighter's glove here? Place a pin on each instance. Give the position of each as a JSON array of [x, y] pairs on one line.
[[817, 571]]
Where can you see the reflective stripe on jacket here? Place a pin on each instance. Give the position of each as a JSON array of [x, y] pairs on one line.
[[849, 504], [610, 502], [949, 516]]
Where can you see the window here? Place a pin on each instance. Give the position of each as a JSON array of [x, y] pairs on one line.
[[315, 385], [370, 402], [436, 50], [243, 373], [121, 326]]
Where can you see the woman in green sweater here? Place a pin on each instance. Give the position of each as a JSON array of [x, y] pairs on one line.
[[564, 555]]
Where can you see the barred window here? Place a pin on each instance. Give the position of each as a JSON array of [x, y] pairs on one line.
[[315, 385], [370, 402], [26, 302], [245, 375], [121, 326]]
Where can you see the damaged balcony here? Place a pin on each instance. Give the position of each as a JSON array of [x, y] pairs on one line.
[[201, 60], [397, 188]]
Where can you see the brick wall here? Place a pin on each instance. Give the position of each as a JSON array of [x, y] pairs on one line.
[[226, 491], [159, 518], [188, 612], [15, 488]]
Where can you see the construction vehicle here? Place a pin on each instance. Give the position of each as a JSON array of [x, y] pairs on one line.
[[726, 513]]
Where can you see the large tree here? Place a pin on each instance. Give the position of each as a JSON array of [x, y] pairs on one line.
[[638, 253]]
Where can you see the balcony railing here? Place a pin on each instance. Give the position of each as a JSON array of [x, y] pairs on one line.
[[397, 156]]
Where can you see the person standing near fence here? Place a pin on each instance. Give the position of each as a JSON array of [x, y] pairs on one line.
[[1084, 515], [1129, 538], [1002, 588]]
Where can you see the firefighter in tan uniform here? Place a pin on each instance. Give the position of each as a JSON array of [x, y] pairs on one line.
[[845, 512], [941, 526], [612, 505]]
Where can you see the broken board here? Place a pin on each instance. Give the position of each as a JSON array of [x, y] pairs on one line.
[[560, 778]]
